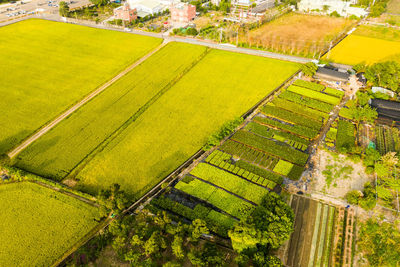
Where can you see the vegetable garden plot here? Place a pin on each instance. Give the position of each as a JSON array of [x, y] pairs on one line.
[[291, 117], [387, 139], [221, 199], [282, 151], [300, 109], [314, 95], [223, 161], [230, 182], [310, 85], [311, 243], [306, 101], [345, 135]]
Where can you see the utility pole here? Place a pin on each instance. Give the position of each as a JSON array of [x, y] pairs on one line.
[[220, 35], [329, 50], [237, 36]]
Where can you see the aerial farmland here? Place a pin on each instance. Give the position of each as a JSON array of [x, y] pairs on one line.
[[200, 134]]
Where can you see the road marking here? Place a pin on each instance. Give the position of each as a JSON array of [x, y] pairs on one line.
[[86, 99]]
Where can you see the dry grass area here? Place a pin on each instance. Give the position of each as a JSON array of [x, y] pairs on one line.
[[393, 7], [298, 33], [211, 18]]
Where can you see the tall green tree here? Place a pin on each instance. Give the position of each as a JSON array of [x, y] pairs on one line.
[[269, 225], [385, 74], [63, 9]]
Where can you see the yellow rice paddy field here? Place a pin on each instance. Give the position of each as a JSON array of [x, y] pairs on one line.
[[368, 45]]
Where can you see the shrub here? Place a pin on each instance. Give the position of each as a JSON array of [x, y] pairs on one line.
[[228, 128]]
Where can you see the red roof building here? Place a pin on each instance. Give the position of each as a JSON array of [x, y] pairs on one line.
[[183, 12], [125, 13]]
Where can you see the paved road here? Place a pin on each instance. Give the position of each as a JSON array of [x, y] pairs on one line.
[[57, 120]]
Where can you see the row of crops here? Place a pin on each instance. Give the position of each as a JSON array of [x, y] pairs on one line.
[[321, 236], [255, 160], [387, 139]]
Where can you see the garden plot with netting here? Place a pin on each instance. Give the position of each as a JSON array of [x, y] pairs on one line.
[[323, 234]]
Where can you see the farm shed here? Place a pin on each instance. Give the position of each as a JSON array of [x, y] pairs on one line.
[[386, 108], [331, 75]]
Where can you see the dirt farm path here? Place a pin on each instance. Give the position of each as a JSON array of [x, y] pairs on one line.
[[82, 102]]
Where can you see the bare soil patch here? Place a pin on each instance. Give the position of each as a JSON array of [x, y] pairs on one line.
[[344, 182], [298, 33]]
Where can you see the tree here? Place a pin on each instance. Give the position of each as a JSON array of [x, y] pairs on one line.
[[379, 243], [63, 9], [199, 227], [177, 247], [133, 257], [112, 200], [386, 74], [119, 245], [269, 225], [309, 69], [152, 245], [100, 2]]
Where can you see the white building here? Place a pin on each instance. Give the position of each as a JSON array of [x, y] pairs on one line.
[[147, 7], [343, 8]]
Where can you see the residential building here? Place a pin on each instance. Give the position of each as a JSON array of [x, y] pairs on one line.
[[328, 6], [125, 13], [183, 12]]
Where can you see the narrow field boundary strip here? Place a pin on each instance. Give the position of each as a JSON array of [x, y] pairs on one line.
[[132, 119], [86, 99]]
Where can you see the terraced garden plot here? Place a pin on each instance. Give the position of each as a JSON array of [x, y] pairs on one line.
[[282, 151], [314, 95], [38, 225], [48, 66], [253, 174], [306, 101], [55, 154], [311, 243], [179, 123], [368, 44], [230, 182], [221, 199]]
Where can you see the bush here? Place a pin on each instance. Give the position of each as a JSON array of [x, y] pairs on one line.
[[353, 197], [309, 69], [226, 129]]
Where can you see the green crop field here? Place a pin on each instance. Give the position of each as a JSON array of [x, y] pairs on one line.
[[47, 66], [38, 224], [220, 87], [58, 152]]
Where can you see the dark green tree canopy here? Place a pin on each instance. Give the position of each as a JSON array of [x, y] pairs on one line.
[[386, 74]]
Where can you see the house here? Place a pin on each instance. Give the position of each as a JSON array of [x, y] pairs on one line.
[[331, 75], [125, 13], [328, 6], [183, 12], [216, 2], [146, 7]]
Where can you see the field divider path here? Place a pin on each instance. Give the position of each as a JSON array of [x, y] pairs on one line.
[[133, 118], [85, 100]]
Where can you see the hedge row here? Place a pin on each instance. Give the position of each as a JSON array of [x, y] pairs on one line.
[[249, 154], [296, 129], [314, 95], [306, 101], [345, 140], [291, 117], [300, 109], [310, 85], [216, 221], [334, 92], [282, 151]]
